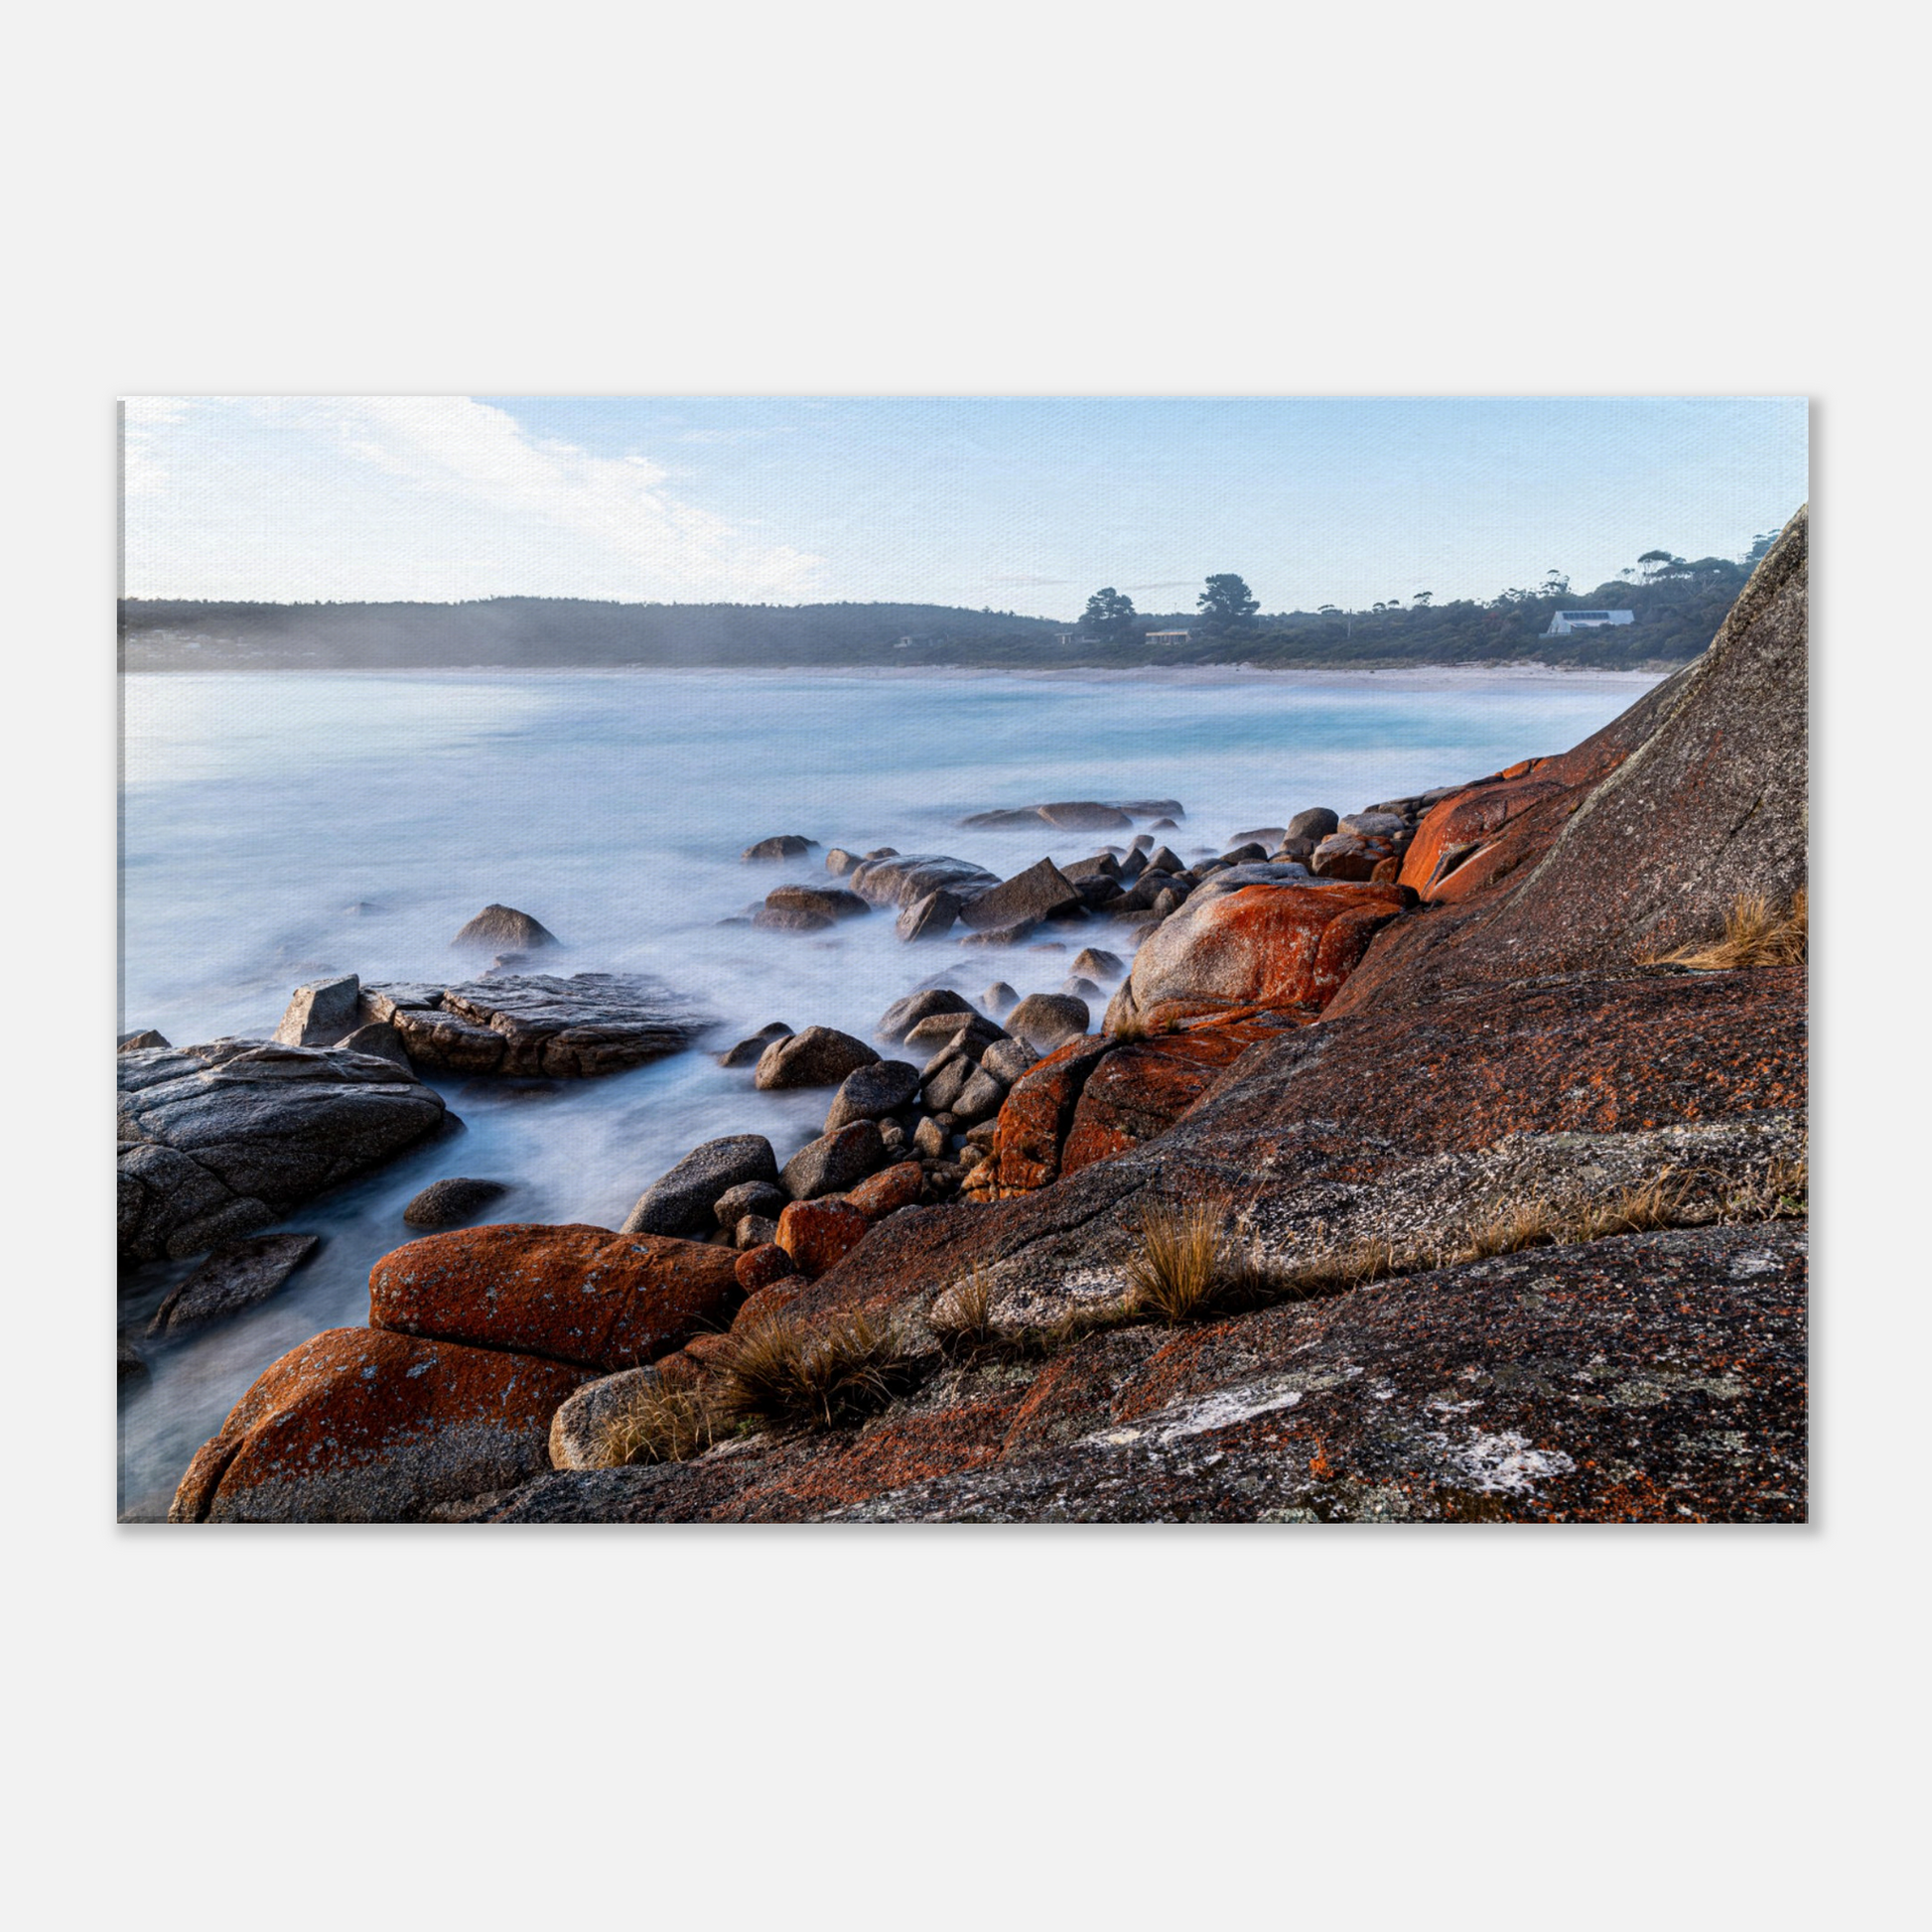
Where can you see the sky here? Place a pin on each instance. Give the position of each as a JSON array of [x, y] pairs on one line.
[[1024, 505]]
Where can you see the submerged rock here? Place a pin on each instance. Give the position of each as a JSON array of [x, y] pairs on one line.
[[502, 929], [444, 1204], [786, 845], [748, 1052], [235, 1276], [829, 902], [898, 879]]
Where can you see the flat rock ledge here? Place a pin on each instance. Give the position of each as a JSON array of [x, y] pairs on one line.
[[536, 1025]]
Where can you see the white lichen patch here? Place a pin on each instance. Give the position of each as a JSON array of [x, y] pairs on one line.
[[1226, 1406], [1505, 1464]]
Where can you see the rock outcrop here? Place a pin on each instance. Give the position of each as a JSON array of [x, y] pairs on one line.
[[536, 1025], [219, 1141], [1651, 1378], [1637, 841], [1510, 1215]]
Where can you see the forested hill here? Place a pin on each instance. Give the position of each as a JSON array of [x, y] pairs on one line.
[[536, 633], [1676, 607]]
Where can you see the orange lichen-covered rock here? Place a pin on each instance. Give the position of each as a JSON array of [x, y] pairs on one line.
[[360, 1425], [1142, 1088], [707, 1350], [897, 1188], [1037, 1114], [759, 1266], [1461, 824], [773, 1299], [574, 1293], [818, 1233], [1259, 945]]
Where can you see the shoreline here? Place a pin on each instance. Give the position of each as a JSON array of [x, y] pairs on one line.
[[1151, 673]]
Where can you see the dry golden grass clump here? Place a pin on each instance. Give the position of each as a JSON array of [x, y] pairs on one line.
[[1190, 1266], [664, 1426], [962, 1318], [837, 1371], [1756, 933]]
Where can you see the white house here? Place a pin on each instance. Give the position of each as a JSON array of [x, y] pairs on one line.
[[1168, 637], [1563, 622]]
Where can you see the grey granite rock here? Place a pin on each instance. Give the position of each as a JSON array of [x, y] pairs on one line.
[[1314, 823], [834, 1162], [526, 1026], [502, 929], [218, 1139], [681, 1201], [1045, 1020], [452, 1201], [872, 1092], [321, 1012], [902, 1016], [234, 1276], [1026, 896], [930, 917], [820, 1057]]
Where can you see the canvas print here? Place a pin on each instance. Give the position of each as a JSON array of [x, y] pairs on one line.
[[1083, 960]]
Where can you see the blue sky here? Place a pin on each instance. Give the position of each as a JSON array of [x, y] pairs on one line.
[[1024, 505]]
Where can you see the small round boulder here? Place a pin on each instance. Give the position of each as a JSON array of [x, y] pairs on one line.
[[446, 1203]]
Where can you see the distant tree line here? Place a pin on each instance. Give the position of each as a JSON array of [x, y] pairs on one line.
[[1677, 604]]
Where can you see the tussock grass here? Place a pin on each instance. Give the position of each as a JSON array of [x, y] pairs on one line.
[[1174, 1273], [1132, 1028], [1192, 1266], [837, 1371], [664, 1426], [962, 1318], [1756, 933]]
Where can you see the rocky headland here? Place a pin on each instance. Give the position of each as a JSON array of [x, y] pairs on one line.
[[1440, 1161]]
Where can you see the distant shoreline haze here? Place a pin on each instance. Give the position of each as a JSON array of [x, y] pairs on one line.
[[1675, 606]]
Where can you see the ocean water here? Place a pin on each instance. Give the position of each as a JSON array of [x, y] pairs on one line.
[[278, 827]]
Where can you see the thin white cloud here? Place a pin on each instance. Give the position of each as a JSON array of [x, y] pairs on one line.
[[430, 496]]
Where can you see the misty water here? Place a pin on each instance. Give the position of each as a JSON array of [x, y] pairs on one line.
[[279, 827]]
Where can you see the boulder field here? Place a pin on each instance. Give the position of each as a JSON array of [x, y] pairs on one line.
[[1505, 1200]]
